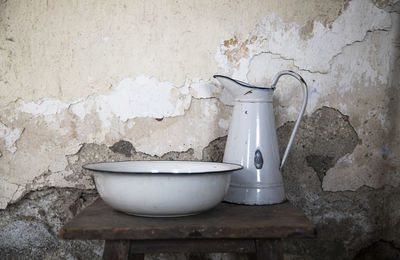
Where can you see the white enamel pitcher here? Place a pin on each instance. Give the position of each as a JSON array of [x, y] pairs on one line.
[[252, 142]]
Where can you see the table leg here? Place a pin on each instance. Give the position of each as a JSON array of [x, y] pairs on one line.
[[267, 250], [119, 250]]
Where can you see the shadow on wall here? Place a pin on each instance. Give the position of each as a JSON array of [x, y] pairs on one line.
[[387, 245], [391, 160]]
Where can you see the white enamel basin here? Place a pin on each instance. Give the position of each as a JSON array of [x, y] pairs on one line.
[[162, 188]]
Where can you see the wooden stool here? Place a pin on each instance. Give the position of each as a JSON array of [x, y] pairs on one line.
[[254, 230]]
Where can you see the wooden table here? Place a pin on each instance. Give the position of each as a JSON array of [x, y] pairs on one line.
[[254, 230]]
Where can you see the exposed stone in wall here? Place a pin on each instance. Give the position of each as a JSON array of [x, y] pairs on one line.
[[346, 222], [324, 137], [29, 228], [123, 147], [214, 152], [392, 216]]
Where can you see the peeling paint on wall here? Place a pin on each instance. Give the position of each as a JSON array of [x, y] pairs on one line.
[[10, 137], [142, 97], [45, 107]]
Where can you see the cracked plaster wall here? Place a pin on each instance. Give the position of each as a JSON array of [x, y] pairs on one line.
[[79, 72]]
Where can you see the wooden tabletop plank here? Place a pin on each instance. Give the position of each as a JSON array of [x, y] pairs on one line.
[[99, 221]]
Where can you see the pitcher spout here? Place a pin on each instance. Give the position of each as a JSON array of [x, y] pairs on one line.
[[242, 91]]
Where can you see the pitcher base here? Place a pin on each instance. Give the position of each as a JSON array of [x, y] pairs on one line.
[[252, 196]]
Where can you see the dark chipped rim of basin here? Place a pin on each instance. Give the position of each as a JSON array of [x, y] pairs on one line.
[[92, 167]]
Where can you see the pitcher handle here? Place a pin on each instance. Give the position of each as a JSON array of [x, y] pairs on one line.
[[303, 107]]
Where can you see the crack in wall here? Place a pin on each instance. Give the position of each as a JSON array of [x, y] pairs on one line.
[[332, 59], [285, 59]]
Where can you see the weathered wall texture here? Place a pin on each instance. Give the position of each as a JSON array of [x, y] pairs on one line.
[[77, 77]]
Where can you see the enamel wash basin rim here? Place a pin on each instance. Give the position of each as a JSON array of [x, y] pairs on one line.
[[162, 167]]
